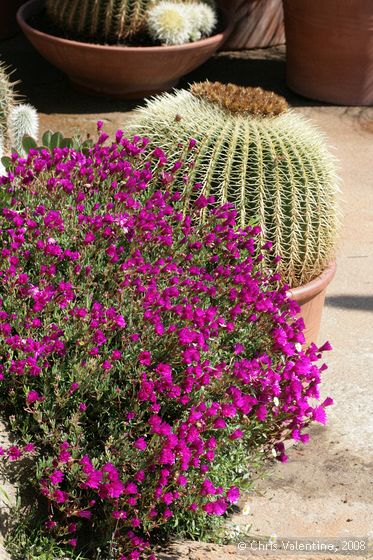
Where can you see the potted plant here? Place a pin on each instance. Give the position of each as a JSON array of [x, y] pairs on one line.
[[271, 163], [329, 46], [127, 49], [152, 360], [8, 23], [256, 23]]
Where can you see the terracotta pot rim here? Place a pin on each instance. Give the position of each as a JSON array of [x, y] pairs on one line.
[[21, 19], [314, 287]]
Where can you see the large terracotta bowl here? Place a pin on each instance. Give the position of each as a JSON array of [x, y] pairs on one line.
[[329, 49], [311, 299], [118, 71]]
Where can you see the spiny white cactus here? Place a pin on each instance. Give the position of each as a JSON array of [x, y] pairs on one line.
[[23, 121], [203, 20], [175, 23], [168, 23]]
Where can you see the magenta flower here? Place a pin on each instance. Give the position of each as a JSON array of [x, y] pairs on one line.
[[319, 414], [33, 396], [184, 344], [14, 453], [140, 444], [219, 507], [56, 477], [233, 494], [237, 434], [85, 514]]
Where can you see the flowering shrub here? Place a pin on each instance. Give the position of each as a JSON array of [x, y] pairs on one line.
[[136, 346]]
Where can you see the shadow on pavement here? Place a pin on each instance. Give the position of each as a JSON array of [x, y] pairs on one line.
[[362, 303], [49, 90]]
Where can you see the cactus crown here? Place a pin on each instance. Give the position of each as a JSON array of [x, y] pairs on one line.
[[276, 169], [115, 21], [242, 100]]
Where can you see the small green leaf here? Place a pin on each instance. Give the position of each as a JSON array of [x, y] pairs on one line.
[[67, 143], [6, 161], [5, 495], [56, 140], [47, 136], [28, 143]]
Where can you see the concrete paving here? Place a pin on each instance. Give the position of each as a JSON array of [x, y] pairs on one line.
[[326, 488]]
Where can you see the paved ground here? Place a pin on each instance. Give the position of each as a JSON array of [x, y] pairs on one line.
[[326, 488]]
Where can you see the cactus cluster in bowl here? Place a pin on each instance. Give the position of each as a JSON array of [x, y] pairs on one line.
[[16, 120], [166, 22], [268, 160]]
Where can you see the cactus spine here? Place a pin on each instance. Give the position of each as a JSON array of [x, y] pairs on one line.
[[267, 160]]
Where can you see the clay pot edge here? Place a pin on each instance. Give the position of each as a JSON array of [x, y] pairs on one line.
[[304, 293]]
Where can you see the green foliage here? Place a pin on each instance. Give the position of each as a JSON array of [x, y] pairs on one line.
[[240, 465], [274, 167], [50, 140]]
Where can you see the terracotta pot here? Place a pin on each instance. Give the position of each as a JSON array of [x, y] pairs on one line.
[[8, 23], [329, 47], [118, 71], [311, 299], [257, 23]]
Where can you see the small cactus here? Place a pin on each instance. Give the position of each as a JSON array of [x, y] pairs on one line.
[[266, 159], [23, 121], [121, 21], [203, 19], [175, 23], [16, 120], [169, 24]]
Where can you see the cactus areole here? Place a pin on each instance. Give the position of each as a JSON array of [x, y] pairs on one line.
[[266, 159]]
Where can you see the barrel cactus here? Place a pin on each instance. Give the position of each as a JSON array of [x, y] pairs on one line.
[[255, 152], [112, 21]]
